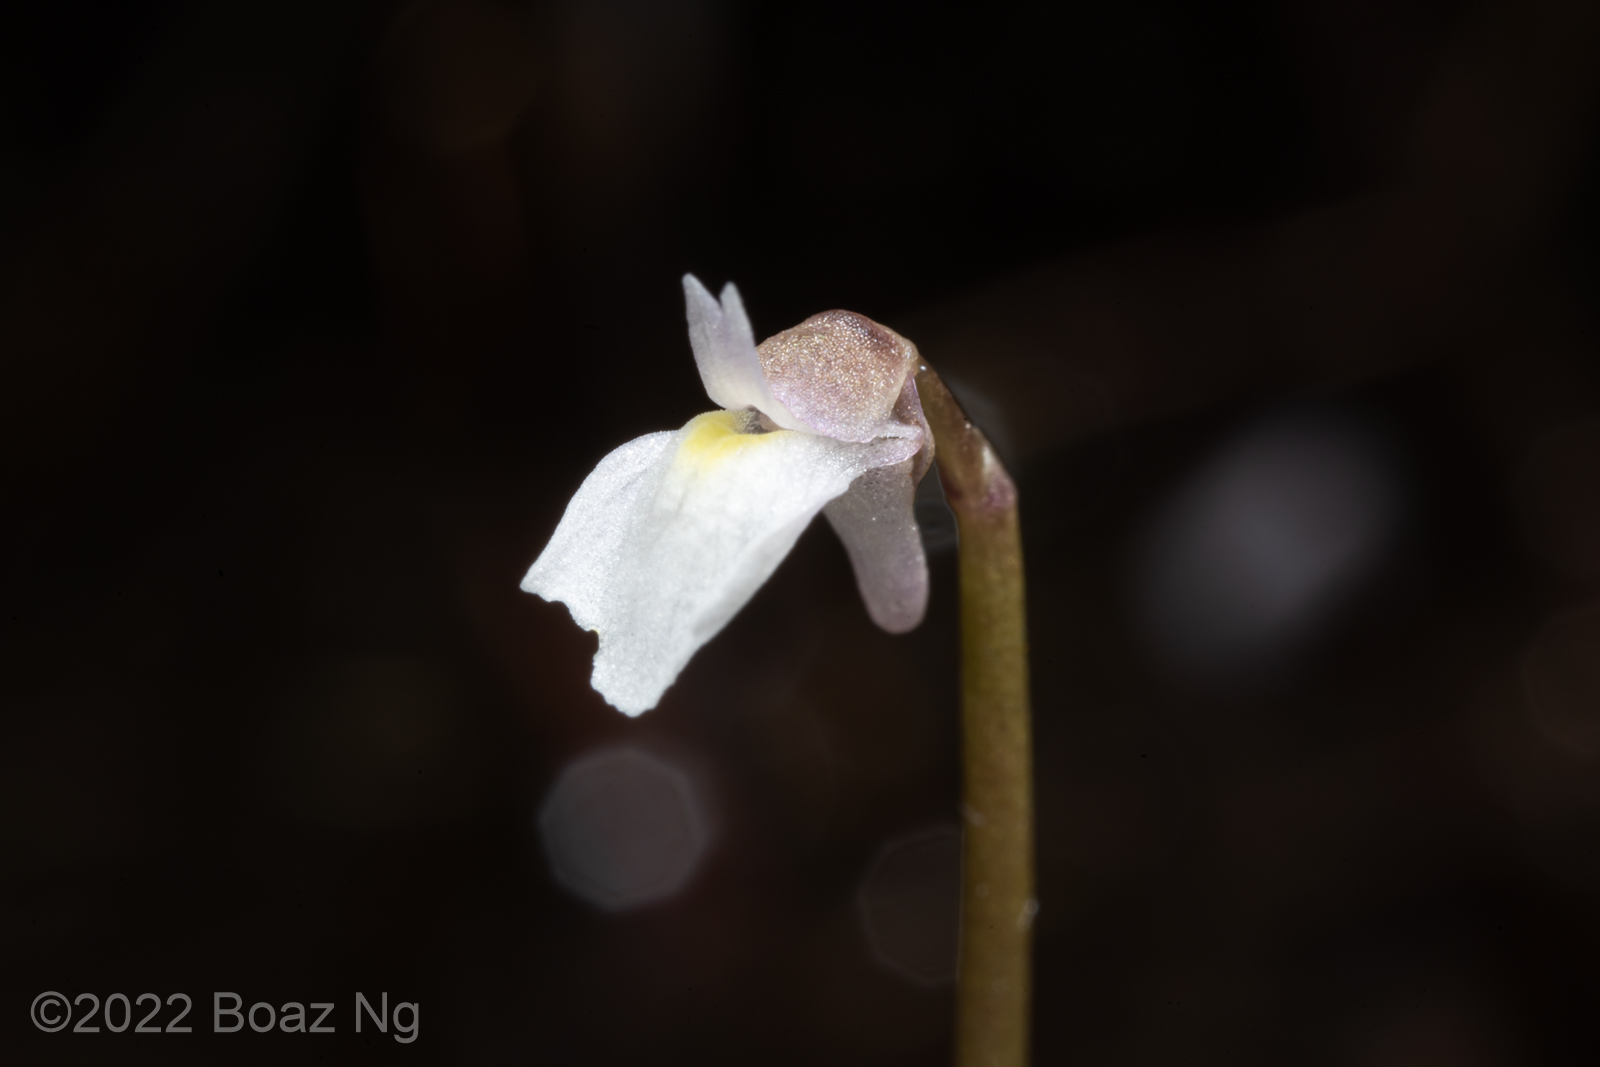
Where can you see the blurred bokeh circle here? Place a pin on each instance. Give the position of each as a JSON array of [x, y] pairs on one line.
[[911, 905], [623, 827], [1259, 545]]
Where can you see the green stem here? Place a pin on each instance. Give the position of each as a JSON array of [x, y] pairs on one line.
[[997, 902]]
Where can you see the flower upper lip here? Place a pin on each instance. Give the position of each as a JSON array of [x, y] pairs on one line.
[[838, 374], [841, 374], [725, 353]]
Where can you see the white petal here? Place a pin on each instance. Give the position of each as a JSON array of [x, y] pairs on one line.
[[673, 533], [590, 538], [725, 351], [875, 521]]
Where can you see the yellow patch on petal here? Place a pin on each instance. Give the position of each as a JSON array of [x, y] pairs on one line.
[[717, 436]]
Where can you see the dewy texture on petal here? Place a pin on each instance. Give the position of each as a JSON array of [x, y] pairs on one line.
[[674, 532], [725, 352], [875, 521], [841, 374]]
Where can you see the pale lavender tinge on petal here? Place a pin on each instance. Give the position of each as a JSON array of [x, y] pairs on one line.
[[908, 411], [725, 353], [842, 374], [934, 517], [874, 519]]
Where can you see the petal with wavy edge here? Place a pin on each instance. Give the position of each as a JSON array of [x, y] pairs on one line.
[[725, 351], [875, 521], [593, 532], [673, 533]]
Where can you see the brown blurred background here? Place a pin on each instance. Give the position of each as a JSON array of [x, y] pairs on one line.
[[314, 315]]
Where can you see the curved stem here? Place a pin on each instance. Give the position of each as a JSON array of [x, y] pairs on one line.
[[997, 902]]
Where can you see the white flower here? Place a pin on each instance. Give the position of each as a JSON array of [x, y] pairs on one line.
[[675, 531]]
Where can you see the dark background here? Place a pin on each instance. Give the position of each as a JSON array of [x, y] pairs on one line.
[[314, 315]]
